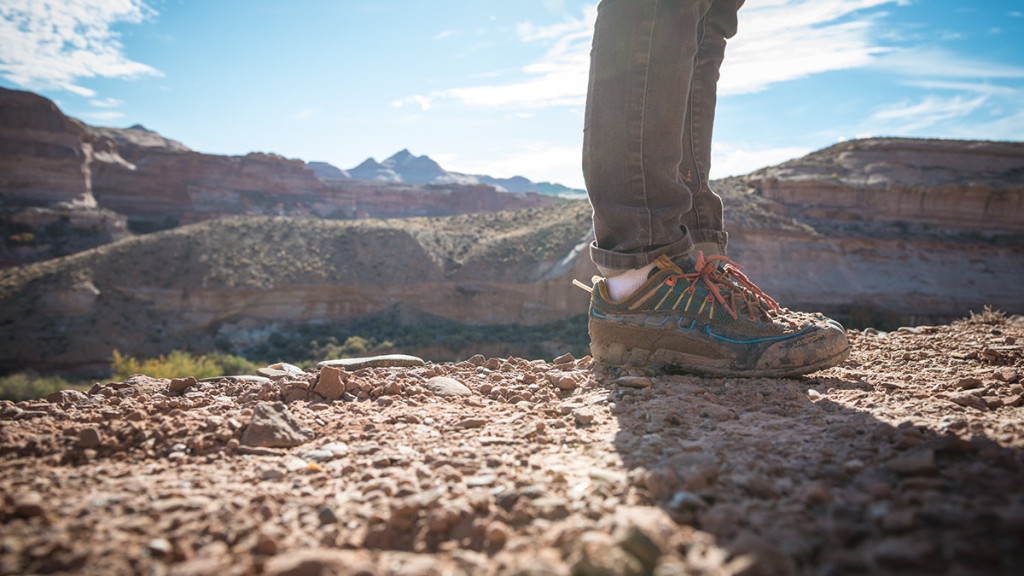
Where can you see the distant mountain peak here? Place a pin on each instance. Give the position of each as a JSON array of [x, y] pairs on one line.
[[402, 154], [404, 166], [416, 169], [368, 163]]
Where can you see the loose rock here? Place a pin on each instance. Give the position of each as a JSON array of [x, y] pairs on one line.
[[273, 426], [445, 386]]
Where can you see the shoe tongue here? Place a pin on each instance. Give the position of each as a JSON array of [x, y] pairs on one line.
[[664, 263]]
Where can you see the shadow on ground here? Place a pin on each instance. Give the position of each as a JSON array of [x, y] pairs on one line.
[[789, 481]]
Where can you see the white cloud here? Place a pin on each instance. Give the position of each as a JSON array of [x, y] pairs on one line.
[[538, 161], [50, 44], [559, 78], [960, 86], [107, 103], [779, 40], [910, 117], [1008, 127], [934, 62], [785, 40], [424, 102], [104, 116], [728, 160]]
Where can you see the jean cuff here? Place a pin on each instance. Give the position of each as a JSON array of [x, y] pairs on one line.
[[711, 242], [611, 263]]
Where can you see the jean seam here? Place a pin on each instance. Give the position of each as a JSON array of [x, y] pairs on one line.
[[694, 109], [643, 124]]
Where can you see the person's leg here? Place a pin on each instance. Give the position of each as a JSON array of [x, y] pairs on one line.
[[704, 221], [640, 78], [650, 109]]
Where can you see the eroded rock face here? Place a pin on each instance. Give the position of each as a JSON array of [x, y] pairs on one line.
[[47, 207], [45, 155], [956, 184], [922, 230], [66, 187], [164, 186]]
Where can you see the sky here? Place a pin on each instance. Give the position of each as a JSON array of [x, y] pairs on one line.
[[498, 87]]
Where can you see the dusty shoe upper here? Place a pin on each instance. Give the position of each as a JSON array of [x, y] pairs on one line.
[[709, 318]]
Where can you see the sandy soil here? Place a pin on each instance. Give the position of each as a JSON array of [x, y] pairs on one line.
[[906, 459]]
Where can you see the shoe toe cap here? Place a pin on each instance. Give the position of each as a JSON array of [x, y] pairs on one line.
[[822, 346]]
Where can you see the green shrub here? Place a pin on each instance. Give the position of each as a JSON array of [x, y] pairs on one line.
[[180, 364], [29, 385]]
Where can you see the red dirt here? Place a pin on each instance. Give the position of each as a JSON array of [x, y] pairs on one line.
[[906, 459]]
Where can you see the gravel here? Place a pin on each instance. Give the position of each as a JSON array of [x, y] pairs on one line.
[[905, 459]]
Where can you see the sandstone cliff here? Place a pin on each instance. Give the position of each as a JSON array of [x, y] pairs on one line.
[[877, 231], [240, 279], [916, 230], [47, 206], [67, 187], [953, 184]]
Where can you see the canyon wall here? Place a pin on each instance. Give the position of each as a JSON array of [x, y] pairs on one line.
[[67, 187], [879, 231]]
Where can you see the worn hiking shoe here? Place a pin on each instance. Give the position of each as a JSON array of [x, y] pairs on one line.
[[709, 319]]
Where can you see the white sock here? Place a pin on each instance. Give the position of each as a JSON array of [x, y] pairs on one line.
[[622, 285]]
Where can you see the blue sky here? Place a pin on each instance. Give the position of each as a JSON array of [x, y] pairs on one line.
[[498, 87]]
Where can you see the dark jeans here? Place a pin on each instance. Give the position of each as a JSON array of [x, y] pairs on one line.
[[647, 132]]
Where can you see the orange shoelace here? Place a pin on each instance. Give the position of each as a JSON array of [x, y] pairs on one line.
[[719, 274]]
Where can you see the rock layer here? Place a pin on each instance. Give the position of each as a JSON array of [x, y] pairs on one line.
[[67, 187], [962, 185]]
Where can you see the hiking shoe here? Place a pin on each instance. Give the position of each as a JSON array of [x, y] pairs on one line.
[[709, 319]]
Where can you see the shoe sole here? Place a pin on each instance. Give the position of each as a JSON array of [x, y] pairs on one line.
[[670, 362]]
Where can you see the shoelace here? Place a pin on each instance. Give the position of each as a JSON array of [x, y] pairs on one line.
[[718, 273]]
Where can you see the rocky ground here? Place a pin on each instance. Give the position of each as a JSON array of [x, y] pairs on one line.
[[906, 459]]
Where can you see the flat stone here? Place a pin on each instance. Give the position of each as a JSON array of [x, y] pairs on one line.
[[386, 361], [273, 426], [633, 381], [272, 373], [294, 464], [445, 386], [969, 383], [281, 370], [472, 423], [257, 451], [318, 456], [240, 378], [968, 400]]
